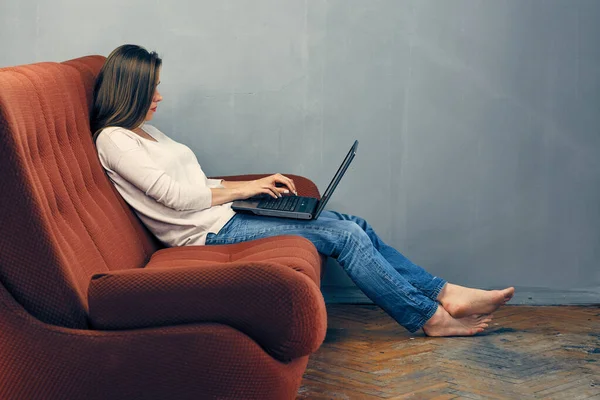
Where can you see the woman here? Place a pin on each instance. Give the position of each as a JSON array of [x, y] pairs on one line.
[[163, 182]]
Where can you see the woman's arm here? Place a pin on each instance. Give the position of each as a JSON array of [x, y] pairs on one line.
[[124, 156], [225, 195], [239, 190], [273, 179], [232, 184]]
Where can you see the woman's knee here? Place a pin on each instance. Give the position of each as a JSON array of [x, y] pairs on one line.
[[364, 225], [349, 217], [355, 232]]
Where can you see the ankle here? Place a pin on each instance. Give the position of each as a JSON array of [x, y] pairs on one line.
[[436, 318], [444, 293]]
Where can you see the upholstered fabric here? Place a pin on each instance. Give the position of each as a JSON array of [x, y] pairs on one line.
[[296, 252], [266, 289], [183, 362], [65, 233], [61, 218]]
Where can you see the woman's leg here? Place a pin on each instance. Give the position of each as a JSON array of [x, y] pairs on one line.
[[350, 245], [459, 301], [421, 279]]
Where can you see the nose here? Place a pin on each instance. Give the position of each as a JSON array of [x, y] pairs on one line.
[[157, 97]]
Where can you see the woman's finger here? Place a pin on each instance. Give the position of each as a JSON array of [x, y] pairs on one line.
[[287, 182], [293, 186], [270, 190], [283, 190]]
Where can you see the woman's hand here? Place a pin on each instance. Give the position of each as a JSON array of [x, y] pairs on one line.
[[274, 185]]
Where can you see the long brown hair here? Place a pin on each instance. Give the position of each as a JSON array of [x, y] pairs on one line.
[[124, 88]]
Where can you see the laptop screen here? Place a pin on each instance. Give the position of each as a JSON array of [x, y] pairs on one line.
[[336, 179]]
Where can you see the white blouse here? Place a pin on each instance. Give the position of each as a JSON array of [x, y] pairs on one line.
[[164, 183]]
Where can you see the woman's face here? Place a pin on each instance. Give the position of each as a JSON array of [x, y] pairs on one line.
[[155, 100]]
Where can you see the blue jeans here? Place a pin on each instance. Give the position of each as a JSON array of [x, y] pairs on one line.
[[404, 290]]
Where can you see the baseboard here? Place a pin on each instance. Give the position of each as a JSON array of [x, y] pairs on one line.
[[523, 296]]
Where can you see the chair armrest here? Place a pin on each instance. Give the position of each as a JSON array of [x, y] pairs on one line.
[[305, 186], [281, 309]]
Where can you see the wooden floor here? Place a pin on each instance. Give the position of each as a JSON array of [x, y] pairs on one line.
[[529, 353]]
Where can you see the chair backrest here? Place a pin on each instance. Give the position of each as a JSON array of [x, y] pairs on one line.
[[61, 219]]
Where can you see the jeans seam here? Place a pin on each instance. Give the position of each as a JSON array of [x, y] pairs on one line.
[[425, 315], [436, 292], [382, 272]]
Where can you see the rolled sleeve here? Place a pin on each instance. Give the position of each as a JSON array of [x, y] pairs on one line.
[[214, 183]]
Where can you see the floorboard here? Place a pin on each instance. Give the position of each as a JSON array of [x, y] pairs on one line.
[[527, 353]]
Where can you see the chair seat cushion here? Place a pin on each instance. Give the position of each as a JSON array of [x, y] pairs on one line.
[[267, 288], [297, 252]]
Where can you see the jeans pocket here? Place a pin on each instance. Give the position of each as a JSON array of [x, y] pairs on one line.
[[209, 237], [227, 225]]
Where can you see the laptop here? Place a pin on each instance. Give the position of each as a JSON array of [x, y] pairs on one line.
[[295, 207]]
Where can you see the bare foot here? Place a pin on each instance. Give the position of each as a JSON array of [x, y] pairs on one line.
[[461, 301], [443, 324]]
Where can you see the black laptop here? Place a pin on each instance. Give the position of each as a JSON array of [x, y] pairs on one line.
[[296, 207]]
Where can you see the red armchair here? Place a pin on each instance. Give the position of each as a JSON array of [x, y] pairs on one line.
[[92, 306]]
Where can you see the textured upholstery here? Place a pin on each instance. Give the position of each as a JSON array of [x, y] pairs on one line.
[[194, 361], [59, 226], [235, 321], [255, 288]]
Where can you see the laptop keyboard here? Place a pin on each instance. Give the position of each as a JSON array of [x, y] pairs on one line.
[[287, 203]]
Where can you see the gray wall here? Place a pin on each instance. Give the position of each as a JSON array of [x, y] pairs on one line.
[[478, 120]]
